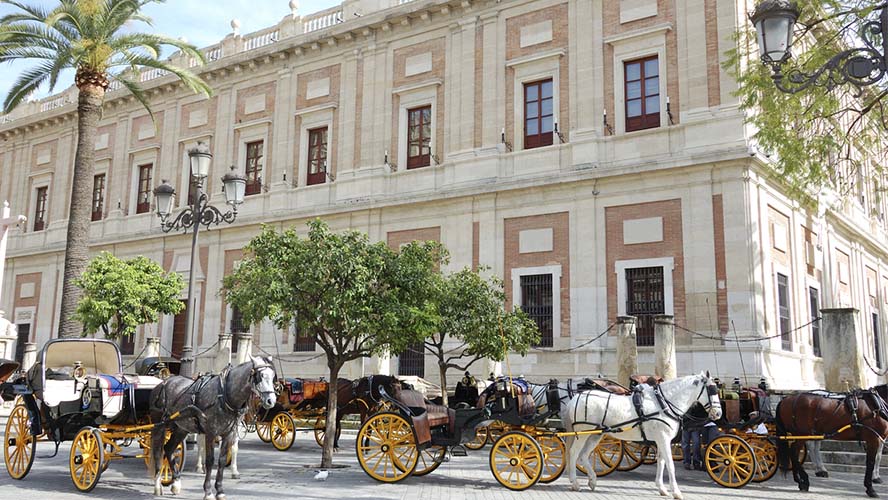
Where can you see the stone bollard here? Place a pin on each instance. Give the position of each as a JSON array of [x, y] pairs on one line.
[[627, 349], [664, 347], [30, 356], [223, 353], [244, 346], [152, 347], [843, 364]]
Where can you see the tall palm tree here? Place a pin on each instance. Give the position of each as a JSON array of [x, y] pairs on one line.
[[96, 40]]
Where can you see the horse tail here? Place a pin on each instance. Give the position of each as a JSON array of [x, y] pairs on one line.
[[782, 444]]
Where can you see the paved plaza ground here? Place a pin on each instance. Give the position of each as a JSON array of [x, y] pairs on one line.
[[270, 474]]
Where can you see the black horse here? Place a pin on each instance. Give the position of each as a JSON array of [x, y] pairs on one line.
[[211, 405], [362, 397]]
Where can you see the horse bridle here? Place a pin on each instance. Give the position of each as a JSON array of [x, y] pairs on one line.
[[255, 377], [673, 413]]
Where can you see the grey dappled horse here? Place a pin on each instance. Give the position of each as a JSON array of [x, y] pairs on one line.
[[211, 405]]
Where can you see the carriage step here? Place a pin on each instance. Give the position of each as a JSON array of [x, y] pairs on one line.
[[843, 446], [846, 458], [458, 451]]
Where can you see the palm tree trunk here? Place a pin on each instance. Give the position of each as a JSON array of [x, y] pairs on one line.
[[89, 112]]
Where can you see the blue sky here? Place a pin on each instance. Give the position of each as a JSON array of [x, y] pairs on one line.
[[201, 22]]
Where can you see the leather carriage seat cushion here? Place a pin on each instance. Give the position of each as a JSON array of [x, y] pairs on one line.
[[437, 414], [56, 391], [314, 388]]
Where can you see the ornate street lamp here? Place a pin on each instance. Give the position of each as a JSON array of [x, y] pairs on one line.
[[199, 213], [774, 22]]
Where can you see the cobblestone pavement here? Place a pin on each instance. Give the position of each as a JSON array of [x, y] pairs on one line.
[[267, 473]]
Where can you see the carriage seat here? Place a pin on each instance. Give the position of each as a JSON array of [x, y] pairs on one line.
[[437, 414], [57, 391]]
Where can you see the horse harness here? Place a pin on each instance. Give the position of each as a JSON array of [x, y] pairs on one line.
[[851, 402]]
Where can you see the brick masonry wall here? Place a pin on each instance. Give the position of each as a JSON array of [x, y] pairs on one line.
[[721, 272], [560, 30], [210, 105], [437, 49], [145, 121], [713, 68], [776, 220], [302, 102], [242, 95], [612, 26], [397, 238], [560, 254], [843, 260], [671, 246]]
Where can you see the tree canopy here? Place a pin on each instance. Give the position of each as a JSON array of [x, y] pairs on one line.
[[829, 135], [119, 295]]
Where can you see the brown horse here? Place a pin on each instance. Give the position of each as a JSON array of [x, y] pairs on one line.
[[857, 416]]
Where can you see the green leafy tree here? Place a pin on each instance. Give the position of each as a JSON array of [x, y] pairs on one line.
[[119, 295], [353, 297], [96, 39], [472, 323], [826, 136]]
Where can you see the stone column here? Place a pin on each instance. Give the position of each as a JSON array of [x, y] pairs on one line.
[[30, 356], [627, 349], [223, 352], [152, 347], [244, 346], [843, 364], [664, 347]]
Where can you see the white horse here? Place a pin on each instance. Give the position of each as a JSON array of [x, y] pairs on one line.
[[201, 452], [598, 409]]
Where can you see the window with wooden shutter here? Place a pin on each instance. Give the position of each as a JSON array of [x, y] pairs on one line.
[[538, 114], [144, 192], [255, 151], [98, 197], [40, 209], [419, 137], [642, 93], [317, 156]]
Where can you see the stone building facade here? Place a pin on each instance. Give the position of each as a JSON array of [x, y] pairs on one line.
[[591, 153]]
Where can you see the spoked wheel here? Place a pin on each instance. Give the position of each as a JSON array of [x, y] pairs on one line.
[[320, 430], [729, 461], [554, 453], [242, 430], [283, 431], [263, 430], [765, 453], [677, 452], [19, 446], [632, 456], [87, 456], [386, 448], [516, 461], [479, 441], [606, 457], [429, 460], [649, 454], [166, 472], [495, 430]]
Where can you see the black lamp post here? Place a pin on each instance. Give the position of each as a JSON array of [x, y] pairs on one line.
[[199, 213], [774, 22]]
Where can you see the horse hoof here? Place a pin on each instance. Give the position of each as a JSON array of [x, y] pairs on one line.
[[235, 476], [664, 493], [823, 473], [209, 496], [575, 486], [220, 496], [877, 480], [176, 488], [199, 469], [803, 487], [677, 495], [158, 492], [872, 494]]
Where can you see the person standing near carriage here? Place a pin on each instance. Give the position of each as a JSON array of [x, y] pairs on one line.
[[692, 425]]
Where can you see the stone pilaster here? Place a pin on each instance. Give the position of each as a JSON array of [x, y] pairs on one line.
[[627, 349], [841, 349], [664, 347]]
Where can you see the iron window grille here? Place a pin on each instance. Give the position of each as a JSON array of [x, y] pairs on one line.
[[645, 298], [411, 362], [536, 301]]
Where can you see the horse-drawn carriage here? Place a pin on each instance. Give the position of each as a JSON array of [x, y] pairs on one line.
[[76, 391]]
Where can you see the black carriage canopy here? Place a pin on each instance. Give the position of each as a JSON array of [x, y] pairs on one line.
[[152, 365], [7, 368]]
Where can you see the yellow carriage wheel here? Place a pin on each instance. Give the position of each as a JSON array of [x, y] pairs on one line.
[[516, 461], [429, 460], [606, 456], [633, 456], [765, 453], [649, 454], [320, 430], [554, 455], [283, 431], [87, 456], [386, 448], [166, 472], [263, 430], [729, 461], [479, 441], [19, 446], [677, 452]]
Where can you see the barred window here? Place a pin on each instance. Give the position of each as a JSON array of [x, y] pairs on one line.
[[536, 301]]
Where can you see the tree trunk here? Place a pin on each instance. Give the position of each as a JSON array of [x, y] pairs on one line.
[[442, 370], [89, 112], [332, 403]]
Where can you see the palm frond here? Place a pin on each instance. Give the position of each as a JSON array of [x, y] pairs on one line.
[[136, 90], [192, 81], [29, 34], [26, 83]]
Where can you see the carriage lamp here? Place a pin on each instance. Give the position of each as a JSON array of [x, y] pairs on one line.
[[861, 66], [200, 159]]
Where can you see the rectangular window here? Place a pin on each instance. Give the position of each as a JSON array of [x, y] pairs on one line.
[[538, 114], [645, 298], [877, 341], [254, 167], [302, 343], [98, 199], [236, 325], [814, 299], [536, 301], [419, 137], [411, 362], [642, 78], [783, 311], [317, 156], [127, 345], [40, 209], [143, 196]]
